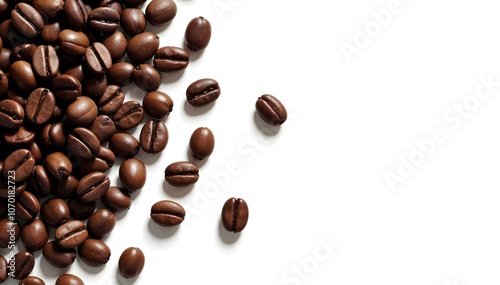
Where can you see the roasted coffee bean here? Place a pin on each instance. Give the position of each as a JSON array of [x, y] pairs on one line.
[[11, 114], [95, 85], [32, 280], [154, 136], [24, 262], [133, 3], [143, 46], [22, 75], [203, 92], [117, 199], [6, 191], [40, 181], [147, 77], [27, 206], [102, 162], [103, 127], [21, 137], [181, 173], [3, 269], [5, 58], [124, 145], [113, 4], [76, 71], [54, 212], [4, 83], [15, 96], [65, 188], [48, 8], [71, 234], [98, 58], [58, 165], [40, 106], [167, 213], [116, 43], [35, 150], [66, 87], [160, 12], [82, 111], [168, 59], [27, 20], [201, 143], [104, 20], [271, 110], [81, 210], [24, 51], [73, 43], [234, 215], [52, 135], [84, 143], [50, 33], [132, 174], [34, 235], [94, 252], [45, 61], [198, 33], [57, 256], [8, 230], [157, 104], [111, 100], [19, 165], [69, 279], [92, 186], [101, 223], [75, 13], [120, 73], [133, 21], [129, 115], [131, 262]]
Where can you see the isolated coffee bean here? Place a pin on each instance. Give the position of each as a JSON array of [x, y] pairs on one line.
[[116, 43], [75, 13], [154, 136], [103, 127], [117, 199], [79, 209], [24, 262], [73, 43], [201, 143], [98, 58], [32, 280], [66, 87], [58, 165], [167, 213], [168, 59], [82, 111], [34, 235], [147, 77], [131, 262], [54, 212], [83, 143], [181, 173], [129, 115], [11, 114], [271, 110], [92, 186], [69, 279], [101, 223], [160, 12], [58, 256], [132, 174], [27, 20], [19, 165], [202, 92], [27, 206], [104, 20], [143, 46], [198, 33], [234, 215], [40, 106], [157, 104], [22, 75], [71, 234], [94, 252], [9, 230], [45, 61], [133, 21], [124, 145], [120, 73]]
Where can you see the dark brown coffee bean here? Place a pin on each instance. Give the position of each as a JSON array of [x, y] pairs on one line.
[[24, 51], [79, 209], [24, 262], [167, 213], [104, 20], [168, 59], [54, 212], [98, 58], [45, 61], [234, 215], [111, 100], [40, 182], [103, 127], [3, 269], [5, 58], [132, 174], [129, 115], [271, 110], [40, 106], [94, 252], [48, 8], [71, 234], [147, 77], [120, 73], [6, 191], [27, 20], [73, 43], [84, 143], [124, 145], [57, 256], [27, 206], [21, 137], [82, 111], [92, 186], [95, 85], [154, 136], [11, 114], [4, 83], [113, 4], [75, 13], [198, 33], [65, 188], [76, 71], [34, 235], [52, 135], [133, 21], [66, 87], [133, 3], [157, 104], [32, 280], [50, 33], [201, 143], [117, 199], [181, 173], [102, 162], [9, 232], [116, 43], [69, 279], [101, 223], [22, 75], [35, 150], [58, 165], [160, 12], [202, 92], [131, 262], [19, 165], [143, 46]]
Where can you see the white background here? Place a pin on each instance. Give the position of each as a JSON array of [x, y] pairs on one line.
[[320, 176]]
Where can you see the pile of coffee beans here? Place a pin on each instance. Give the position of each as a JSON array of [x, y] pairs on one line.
[[64, 119]]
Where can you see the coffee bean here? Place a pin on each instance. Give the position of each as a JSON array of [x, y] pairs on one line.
[[124, 145], [58, 165], [271, 110], [76, 70], [4, 83], [167, 213], [157, 104], [5, 191], [79, 209], [94, 252], [181, 173], [234, 215], [24, 51], [35, 150], [27, 20], [201, 143], [132, 174], [24, 262], [129, 115], [102, 162], [113, 4], [95, 85], [45, 61], [48, 8], [11, 114], [65, 188], [92, 186], [84, 143], [32, 280], [66, 87], [22, 75], [98, 58], [160, 12], [104, 20], [40, 181], [168, 59], [116, 43], [34, 235], [57, 256], [111, 100], [73, 43], [3, 269], [154, 136], [101, 223], [117, 199], [21, 137], [19, 162], [69, 279], [103, 127], [131, 262], [52, 135], [142, 47], [40, 106], [202, 92], [133, 3], [27, 206], [120, 73], [8, 230], [71, 234], [75, 13], [147, 77], [82, 111], [50, 33], [198, 33], [54, 212], [133, 21], [5, 58]]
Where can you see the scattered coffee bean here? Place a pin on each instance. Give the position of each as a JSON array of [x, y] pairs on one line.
[[54, 212], [198, 33], [201, 143], [20, 162], [181, 173], [27, 20], [120, 73], [82, 111], [124, 145], [45, 61], [132, 174], [40, 106], [65, 188], [131, 262], [271, 110], [27, 206], [34, 235], [116, 43], [69, 279], [133, 21], [71, 234], [129, 115], [92, 186], [101, 223], [160, 12], [104, 128], [66, 87], [24, 262], [58, 256], [104, 20], [143, 46], [94, 252], [147, 77], [73, 43], [154, 136], [117, 199], [79, 209], [203, 92], [157, 104], [167, 213], [11, 114], [111, 100], [58, 165], [84, 143], [98, 58], [234, 215], [75, 13], [168, 59], [32, 280]]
